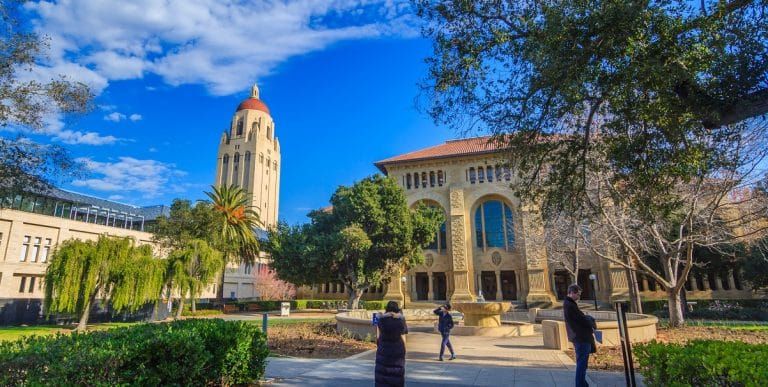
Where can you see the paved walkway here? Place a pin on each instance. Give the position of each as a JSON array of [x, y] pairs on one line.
[[481, 361]]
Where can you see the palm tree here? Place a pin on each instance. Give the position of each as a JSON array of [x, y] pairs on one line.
[[235, 233]]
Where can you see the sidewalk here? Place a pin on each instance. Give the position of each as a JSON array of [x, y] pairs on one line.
[[481, 361]]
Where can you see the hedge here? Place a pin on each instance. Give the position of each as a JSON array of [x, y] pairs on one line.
[[745, 310], [703, 363], [188, 352]]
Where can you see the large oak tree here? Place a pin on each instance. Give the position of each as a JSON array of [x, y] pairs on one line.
[[368, 233]]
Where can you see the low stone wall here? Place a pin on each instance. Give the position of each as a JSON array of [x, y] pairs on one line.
[[641, 328], [358, 323]]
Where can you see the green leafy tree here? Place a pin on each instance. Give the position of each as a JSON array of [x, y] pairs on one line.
[[25, 165], [620, 112], [234, 227], [111, 268], [191, 269], [369, 233], [755, 266]]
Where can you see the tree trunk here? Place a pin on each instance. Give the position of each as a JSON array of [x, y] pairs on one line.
[[181, 307], [193, 305], [635, 302], [86, 311], [675, 310], [220, 288], [354, 297]]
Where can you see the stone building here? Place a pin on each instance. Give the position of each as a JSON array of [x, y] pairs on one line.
[[249, 157], [491, 243]]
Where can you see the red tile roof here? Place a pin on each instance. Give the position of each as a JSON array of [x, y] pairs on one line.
[[451, 148], [253, 104]]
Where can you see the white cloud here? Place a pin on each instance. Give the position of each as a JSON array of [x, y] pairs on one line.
[[153, 150], [114, 117], [223, 45], [116, 197], [150, 178], [135, 117], [87, 138]]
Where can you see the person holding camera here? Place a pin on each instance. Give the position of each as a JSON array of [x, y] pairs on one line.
[[444, 326]]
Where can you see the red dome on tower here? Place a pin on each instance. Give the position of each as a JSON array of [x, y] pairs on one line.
[[253, 104]]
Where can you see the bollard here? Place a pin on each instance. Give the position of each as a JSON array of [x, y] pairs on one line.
[[264, 323], [626, 346]]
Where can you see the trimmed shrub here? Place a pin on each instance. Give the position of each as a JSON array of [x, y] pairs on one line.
[[703, 363], [373, 304], [187, 352], [745, 310]]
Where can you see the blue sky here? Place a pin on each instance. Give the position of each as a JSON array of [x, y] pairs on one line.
[[340, 78]]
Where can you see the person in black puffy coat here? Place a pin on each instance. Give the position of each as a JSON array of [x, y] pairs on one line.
[[390, 352]]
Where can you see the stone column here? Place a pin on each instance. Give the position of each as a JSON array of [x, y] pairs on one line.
[[705, 281], [540, 292], [431, 293], [645, 284], [718, 282], [499, 295], [394, 288], [459, 241], [731, 280], [692, 281]]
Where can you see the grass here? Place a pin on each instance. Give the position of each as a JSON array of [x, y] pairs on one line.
[[15, 333], [273, 322]]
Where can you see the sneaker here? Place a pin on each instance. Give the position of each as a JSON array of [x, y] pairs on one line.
[[439, 359], [452, 357]]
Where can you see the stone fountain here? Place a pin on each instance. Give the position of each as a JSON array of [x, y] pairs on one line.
[[484, 319]]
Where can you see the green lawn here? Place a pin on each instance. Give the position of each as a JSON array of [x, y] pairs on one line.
[[13, 333]]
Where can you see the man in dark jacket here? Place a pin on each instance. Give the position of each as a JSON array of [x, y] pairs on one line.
[[579, 328], [444, 325]]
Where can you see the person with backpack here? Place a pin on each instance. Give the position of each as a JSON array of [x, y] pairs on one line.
[[444, 326]]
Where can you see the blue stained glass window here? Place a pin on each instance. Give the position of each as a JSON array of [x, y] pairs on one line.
[[510, 227], [479, 227], [443, 243], [494, 228]]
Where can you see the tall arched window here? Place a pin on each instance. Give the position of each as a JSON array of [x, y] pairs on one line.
[[269, 132], [489, 173], [480, 175], [236, 169], [239, 127], [431, 178], [494, 225], [408, 181], [225, 170], [472, 175], [246, 170]]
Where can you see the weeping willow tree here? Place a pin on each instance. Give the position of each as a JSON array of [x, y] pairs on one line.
[[111, 268], [191, 268]]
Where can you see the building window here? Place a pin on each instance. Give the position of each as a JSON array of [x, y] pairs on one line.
[[46, 249], [269, 132], [494, 225], [31, 284], [440, 178], [24, 249], [22, 284], [431, 178], [236, 170], [472, 175], [408, 181], [480, 175], [35, 250], [247, 268], [416, 180], [247, 170], [239, 127], [489, 173], [507, 174], [423, 180], [498, 173], [225, 170]]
